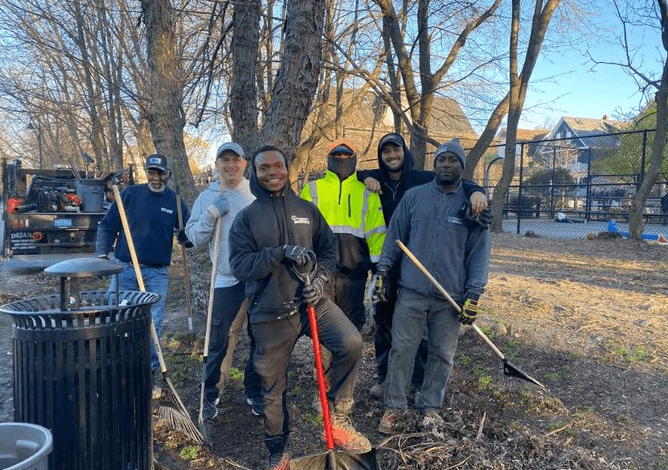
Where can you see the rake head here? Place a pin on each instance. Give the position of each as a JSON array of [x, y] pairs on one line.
[[175, 414], [514, 371]]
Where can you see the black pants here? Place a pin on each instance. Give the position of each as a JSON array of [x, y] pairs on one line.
[[349, 297], [275, 341], [226, 304]]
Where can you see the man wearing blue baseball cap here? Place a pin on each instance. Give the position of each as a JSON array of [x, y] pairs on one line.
[[153, 218]]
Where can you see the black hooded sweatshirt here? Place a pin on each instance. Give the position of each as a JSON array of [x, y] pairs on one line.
[[257, 236], [394, 190]]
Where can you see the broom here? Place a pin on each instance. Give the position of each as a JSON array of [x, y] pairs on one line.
[[171, 408], [188, 356]]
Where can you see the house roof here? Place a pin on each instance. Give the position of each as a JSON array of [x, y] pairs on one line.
[[589, 126], [527, 135]]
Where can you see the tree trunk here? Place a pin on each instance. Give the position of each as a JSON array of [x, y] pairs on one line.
[[517, 94], [243, 91], [487, 136], [166, 115], [297, 78], [636, 219]]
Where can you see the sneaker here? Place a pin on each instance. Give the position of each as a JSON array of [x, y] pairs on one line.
[[388, 423], [210, 409], [376, 391], [279, 461], [256, 404], [431, 419]]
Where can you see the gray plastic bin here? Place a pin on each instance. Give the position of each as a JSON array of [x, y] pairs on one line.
[[91, 193], [24, 446]]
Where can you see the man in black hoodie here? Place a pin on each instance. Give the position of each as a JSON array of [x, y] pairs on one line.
[[395, 175], [268, 239]]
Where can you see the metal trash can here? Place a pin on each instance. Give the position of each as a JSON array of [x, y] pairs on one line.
[[24, 446], [82, 369]]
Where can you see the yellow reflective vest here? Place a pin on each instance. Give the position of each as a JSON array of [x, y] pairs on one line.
[[355, 216]]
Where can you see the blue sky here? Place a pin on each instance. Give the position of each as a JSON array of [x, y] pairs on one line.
[[580, 91]]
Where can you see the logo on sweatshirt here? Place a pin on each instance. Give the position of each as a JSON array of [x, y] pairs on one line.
[[164, 209], [300, 220]]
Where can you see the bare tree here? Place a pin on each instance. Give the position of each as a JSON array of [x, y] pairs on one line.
[[542, 15], [655, 16], [166, 115], [420, 96], [291, 85]]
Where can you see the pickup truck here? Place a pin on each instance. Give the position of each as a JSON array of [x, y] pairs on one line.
[[52, 215]]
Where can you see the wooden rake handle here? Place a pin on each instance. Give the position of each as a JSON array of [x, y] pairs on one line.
[[140, 279], [445, 294]]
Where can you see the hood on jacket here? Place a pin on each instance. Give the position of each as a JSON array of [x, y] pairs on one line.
[[256, 188], [342, 167], [409, 161]]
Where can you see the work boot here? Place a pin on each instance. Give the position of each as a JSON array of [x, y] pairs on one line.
[[345, 435], [210, 409], [279, 457], [390, 420], [279, 461], [256, 404]]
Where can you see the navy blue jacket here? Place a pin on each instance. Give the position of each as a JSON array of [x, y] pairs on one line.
[[152, 218]]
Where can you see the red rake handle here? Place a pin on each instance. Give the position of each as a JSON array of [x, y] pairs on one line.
[[322, 387]]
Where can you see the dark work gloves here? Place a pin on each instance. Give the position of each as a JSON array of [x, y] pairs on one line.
[[312, 293], [485, 217], [183, 239], [381, 289], [469, 310], [472, 222], [297, 254]]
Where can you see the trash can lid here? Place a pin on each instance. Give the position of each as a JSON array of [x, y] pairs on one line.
[[84, 267]]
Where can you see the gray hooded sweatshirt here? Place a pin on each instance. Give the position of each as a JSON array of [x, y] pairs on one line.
[[202, 223]]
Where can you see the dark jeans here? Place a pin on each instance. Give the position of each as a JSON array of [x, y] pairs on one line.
[[226, 306], [155, 280], [275, 341], [383, 340]]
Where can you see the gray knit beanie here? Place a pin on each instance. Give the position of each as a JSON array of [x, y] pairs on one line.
[[453, 147]]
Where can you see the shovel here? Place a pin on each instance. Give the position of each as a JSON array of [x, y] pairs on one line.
[[508, 368], [332, 459]]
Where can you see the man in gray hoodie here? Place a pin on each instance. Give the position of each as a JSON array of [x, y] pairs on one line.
[[222, 200], [434, 221]]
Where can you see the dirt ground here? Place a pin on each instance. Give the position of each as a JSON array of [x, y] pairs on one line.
[[588, 319]]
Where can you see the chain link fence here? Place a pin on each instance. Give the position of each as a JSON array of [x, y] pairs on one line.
[[571, 186]]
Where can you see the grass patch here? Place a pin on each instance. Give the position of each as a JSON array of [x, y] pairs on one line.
[[463, 360], [189, 452]]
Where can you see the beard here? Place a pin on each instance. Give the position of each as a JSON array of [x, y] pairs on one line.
[[157, 190]]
